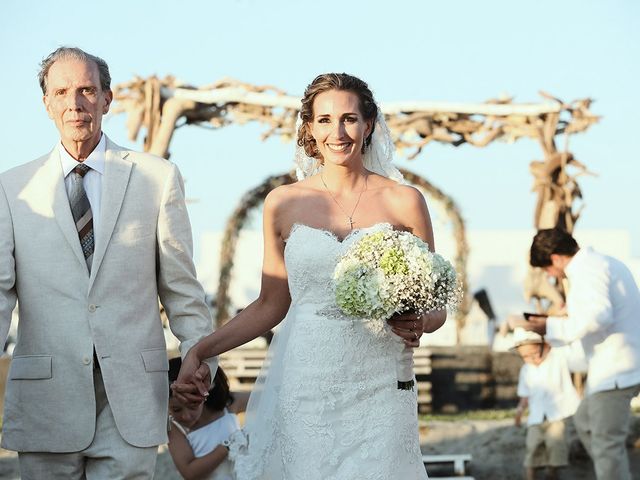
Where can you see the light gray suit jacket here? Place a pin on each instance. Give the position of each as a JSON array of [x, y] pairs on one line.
[[143, 251]]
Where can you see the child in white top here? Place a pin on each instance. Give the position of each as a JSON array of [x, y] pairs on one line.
[[546, 389], [198, 435]]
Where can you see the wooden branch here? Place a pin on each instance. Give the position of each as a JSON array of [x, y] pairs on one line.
[[243, 95]]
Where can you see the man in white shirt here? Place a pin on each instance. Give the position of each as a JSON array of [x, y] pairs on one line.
[[603, 313], [91, 235]]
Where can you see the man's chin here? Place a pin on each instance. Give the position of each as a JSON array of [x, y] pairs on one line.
[[79, 135]]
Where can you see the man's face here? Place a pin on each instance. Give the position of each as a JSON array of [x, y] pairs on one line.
[[75, 101], [556, 269]]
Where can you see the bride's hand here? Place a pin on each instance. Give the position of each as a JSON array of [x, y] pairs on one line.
[[407, 326], [192, 385], [432, 321]]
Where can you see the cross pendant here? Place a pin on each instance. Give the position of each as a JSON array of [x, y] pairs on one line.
[[350, 223]]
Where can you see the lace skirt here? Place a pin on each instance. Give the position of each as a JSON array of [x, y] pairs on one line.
[[326, 406]]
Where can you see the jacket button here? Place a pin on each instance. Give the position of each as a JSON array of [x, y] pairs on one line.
[[86, 360], [92, 308]]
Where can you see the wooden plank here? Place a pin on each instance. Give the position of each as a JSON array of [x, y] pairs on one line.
[[451, 478], [242, 95], [458, 461]]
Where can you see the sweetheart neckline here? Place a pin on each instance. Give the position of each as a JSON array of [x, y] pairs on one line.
[[332, 234]]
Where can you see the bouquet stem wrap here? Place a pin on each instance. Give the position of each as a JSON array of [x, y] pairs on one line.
[[388, 272], [404, 369]]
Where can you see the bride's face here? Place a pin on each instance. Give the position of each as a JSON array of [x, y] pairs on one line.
[[338, 126]]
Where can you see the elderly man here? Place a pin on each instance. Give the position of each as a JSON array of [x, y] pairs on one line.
[[91, 235], [603, 313]]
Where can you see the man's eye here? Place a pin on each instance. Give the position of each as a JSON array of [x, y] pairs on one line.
[[59, 93], [89, 90]]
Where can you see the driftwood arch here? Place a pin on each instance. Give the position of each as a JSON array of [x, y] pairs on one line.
[[254, 197], [160, 106]]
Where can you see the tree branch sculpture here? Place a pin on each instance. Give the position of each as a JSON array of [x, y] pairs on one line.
[[161, 106]]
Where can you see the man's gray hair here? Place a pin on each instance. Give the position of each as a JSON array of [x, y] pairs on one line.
[[65, 53]]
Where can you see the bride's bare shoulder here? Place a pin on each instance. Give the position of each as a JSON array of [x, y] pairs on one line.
[[393, 189], [284, 194]]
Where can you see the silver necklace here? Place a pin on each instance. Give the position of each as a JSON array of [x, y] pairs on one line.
[[350, 217]]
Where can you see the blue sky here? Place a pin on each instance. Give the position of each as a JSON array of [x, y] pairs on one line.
[[405, 50]]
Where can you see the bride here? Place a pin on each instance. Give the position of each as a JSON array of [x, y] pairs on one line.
[[326, 405]]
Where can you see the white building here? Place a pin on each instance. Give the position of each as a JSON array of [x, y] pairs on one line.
[[497, 263]]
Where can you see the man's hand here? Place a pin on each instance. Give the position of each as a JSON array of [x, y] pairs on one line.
[[536, 324]]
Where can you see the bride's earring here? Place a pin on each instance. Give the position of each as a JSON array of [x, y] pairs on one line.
[[364, 144]]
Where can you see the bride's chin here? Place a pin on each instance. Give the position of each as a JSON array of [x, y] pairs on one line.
[[340, 162], [341, 159]]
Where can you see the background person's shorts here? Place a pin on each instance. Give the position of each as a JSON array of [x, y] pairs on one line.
[[546, 445]]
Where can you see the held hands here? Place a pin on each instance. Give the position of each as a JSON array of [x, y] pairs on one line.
[[194, 380]]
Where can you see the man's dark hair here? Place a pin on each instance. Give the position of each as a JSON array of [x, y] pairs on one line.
[[548, 241]]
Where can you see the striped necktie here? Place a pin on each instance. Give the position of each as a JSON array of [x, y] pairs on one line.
[[81, 211]]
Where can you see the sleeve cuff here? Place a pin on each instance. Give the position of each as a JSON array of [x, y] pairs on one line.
[[213, 366], [555, 334]]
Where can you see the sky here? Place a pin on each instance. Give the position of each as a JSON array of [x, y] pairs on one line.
[[406, 50]]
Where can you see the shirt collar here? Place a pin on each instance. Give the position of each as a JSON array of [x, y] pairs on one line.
[[574, 264], [95, 160]]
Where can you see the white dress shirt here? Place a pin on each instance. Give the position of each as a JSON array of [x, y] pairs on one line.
[[603, 308], [548, 387], [92, 181]]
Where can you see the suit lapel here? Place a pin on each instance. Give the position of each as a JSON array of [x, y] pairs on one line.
[[114, 185], [53, 183]]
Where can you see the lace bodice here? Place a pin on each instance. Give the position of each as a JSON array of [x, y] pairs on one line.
[[311, 255]]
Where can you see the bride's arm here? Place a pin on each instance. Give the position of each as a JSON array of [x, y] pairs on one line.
[[263, 313], [416, 219]]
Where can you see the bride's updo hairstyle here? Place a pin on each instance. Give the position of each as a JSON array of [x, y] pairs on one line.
[[324, 83]]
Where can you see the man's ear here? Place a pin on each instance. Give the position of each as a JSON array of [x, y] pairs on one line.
[[108, 98], [45, 100]]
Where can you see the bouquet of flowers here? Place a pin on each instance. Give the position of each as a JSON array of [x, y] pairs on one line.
[[390, 272]]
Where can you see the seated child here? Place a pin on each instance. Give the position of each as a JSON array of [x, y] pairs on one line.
[[545, 387], [197, 435]]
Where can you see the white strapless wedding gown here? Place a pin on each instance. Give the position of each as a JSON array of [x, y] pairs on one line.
[[326, 406]]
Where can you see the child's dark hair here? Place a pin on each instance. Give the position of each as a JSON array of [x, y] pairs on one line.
[[219, 394]]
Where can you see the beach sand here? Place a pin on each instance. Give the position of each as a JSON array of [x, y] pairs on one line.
[[496, 446]]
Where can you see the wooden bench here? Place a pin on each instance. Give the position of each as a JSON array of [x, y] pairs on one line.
[[458, 461], [422, 369], [243, 365]]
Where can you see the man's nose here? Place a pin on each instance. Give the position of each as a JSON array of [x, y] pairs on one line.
[[73, 101]]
